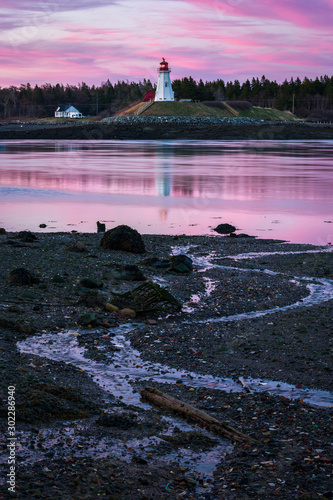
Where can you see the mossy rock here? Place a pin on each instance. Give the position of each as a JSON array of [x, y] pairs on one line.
[[87, 319], [146, 298], [191, 439], [45, 402], [122, 421], [89, 283], [58, 279], [21, 276]]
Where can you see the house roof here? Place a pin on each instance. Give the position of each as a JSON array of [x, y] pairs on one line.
[[64, 107]]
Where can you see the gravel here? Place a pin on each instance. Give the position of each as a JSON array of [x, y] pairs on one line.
[[69, 447]]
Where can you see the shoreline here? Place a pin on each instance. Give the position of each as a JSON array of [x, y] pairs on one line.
[[288, 345], [168, 128]]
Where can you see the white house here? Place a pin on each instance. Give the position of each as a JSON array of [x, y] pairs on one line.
[[67, 111]]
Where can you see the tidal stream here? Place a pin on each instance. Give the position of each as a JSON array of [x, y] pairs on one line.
[[125, 367]]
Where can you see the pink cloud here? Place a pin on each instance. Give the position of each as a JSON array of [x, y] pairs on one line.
[[303, 13], [222, 39]]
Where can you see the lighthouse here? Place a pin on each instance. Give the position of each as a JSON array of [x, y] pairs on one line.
[[164, 90]]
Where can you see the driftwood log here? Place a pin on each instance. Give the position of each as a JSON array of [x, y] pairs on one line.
[[243, 384], [199, 416]]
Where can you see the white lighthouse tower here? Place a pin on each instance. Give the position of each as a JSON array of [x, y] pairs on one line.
[[164, 90]]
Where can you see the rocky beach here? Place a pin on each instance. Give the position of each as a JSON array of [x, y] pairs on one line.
[[165, 128], [235, 326]]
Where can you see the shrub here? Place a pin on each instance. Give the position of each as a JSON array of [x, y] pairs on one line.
[[214, 104], [240, 105], [321, 115]]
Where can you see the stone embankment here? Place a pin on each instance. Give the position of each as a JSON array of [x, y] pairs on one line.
[[182, 120], [168, 127]]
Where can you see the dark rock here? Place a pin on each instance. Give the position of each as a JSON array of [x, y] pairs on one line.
[[122, 421], [43, 402], [58, 279], [19, 326], [21, 276], [15, 309], [3, 230], [225, 229], [123, 238], [139, 460], [127, 273], [92, 298], [87, 319], [89, 283], [77, 248], [181, 264], [42, 226], [156, 262], [27, 236], [177, 263], [132, 273], [29, 296], [100, 227], [13, 243], [244, 235], [147, 297]]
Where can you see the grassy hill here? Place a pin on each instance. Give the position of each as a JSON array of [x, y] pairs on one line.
[[268, 114], [182, 109], [169, 108]]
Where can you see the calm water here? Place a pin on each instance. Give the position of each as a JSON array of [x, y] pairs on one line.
[[268, 189]]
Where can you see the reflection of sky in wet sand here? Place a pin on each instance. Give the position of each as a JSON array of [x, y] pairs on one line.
[[272, 189]]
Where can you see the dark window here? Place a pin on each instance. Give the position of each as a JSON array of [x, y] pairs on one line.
[[166, 84]]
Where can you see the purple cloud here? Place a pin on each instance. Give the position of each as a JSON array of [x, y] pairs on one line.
[[303, 13], [206, 39], [55, 5]]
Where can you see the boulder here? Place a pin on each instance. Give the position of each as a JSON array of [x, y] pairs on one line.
[[128, 272], [92, 298], [27, 236], [181, 264], [89, 283], [123, 238], [87, 319], [224, 229], [147, 297], [59, 280], [127, 312], [156, 262], [77, 248], [3, 230], [123, 420], [21, 276]]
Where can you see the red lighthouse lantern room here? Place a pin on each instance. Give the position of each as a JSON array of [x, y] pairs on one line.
[[164, 66]]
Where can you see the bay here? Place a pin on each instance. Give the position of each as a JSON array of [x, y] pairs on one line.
[[270, 189]]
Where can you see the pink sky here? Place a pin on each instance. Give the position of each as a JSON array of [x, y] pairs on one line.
[[62, 41]]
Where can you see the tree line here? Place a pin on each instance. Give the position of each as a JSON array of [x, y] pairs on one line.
[[305, 96]]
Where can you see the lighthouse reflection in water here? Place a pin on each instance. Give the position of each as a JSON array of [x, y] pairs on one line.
[[269, 189], [163, 176]]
